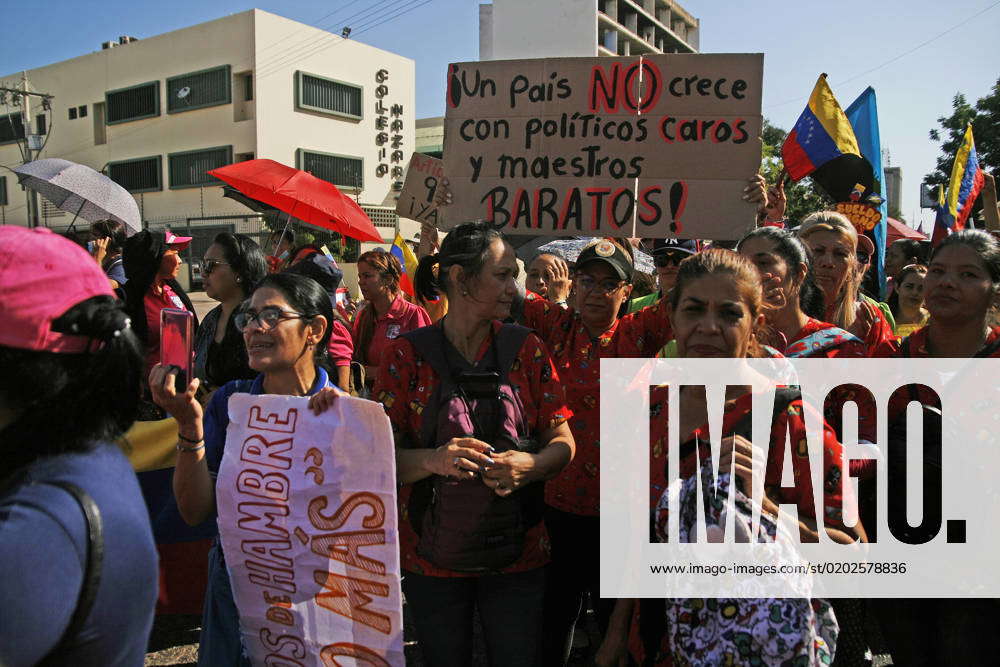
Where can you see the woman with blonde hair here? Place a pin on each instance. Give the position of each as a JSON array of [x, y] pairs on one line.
[[836, 245]]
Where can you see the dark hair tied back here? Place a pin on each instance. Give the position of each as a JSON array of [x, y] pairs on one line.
[[66, 402], [99, 318]]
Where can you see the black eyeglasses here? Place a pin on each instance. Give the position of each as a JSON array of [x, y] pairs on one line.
[[266, 319], [587, 283], [209, 265], [664, 259]]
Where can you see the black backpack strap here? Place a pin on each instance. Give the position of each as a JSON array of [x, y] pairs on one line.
[[92, 568], [429, 343], [508, 342]]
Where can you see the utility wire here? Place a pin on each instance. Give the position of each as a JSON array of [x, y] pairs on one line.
[[318, 42], [892, 60]]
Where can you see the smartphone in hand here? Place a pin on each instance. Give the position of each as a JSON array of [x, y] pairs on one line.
[[176, 344]]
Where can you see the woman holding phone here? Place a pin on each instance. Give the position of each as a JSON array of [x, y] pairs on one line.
[[152, 261], [286, 329]]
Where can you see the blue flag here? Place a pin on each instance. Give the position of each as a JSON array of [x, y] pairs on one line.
[[863, 115]]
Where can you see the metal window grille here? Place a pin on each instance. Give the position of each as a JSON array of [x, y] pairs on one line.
[[329, 96], [342, 171], [11, 128], [381, 216], [189, 169], [3, 191], [126, 104], [140, 175], [50, 210], [197, 90]]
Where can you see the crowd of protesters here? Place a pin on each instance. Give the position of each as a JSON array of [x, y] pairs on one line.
[[494, 401]]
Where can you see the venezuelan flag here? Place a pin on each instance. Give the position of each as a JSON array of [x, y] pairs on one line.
[[407, 260], [821, 134], [183, 549], [965, 183]]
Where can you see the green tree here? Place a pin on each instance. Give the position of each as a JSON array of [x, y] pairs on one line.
[[803, 197], [985, 119]]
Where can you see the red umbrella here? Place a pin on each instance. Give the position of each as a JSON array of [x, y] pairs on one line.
[[898, 230], [301, 195]]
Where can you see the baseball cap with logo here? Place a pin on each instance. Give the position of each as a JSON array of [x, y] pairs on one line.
[[174, 241], [688, 246], [42, 275], [611, 254]]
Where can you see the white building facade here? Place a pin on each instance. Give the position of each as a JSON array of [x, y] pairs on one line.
[[156, 113], [512, 29]]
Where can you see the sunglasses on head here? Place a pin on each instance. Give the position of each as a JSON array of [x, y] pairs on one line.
[[669, 258]]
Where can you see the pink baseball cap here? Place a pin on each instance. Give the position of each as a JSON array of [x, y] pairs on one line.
[[178, 242], [42, 275]]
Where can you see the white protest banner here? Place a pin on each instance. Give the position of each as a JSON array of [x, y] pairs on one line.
[[645, 146], [416, 199], [307, 519]]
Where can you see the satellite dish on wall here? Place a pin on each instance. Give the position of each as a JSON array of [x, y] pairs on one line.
[[183, 92]]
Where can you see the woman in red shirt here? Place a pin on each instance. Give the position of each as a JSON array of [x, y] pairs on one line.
[[579, 337], [716, 311], [476, 270], [962, 283], [833, 241], [386, 315], [152, 261], [793, 302]]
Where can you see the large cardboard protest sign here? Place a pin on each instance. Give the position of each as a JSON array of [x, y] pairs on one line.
[[307, 519], [416, 199], [648, 146]]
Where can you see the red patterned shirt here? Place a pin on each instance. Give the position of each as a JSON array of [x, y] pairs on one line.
[[577, 357], [789, 421], [406, 382]]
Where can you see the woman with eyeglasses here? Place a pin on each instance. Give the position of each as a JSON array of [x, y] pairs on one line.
[[578, 337], [835, 243], [286, 330], [233, 264]]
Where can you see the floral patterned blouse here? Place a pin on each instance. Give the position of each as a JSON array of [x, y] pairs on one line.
[[577, 357], [406, 382]]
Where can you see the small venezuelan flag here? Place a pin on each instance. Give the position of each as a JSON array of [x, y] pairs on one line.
[[965, 183], [407, 260], [821, 134]]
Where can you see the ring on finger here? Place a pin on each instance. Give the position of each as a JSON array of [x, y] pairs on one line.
[[455, 461]]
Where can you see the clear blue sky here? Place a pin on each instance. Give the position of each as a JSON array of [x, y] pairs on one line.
[[858, 44]]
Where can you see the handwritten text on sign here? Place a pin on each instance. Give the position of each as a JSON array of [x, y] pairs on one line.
[[307, 521], [651, 146], [416, 199]]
